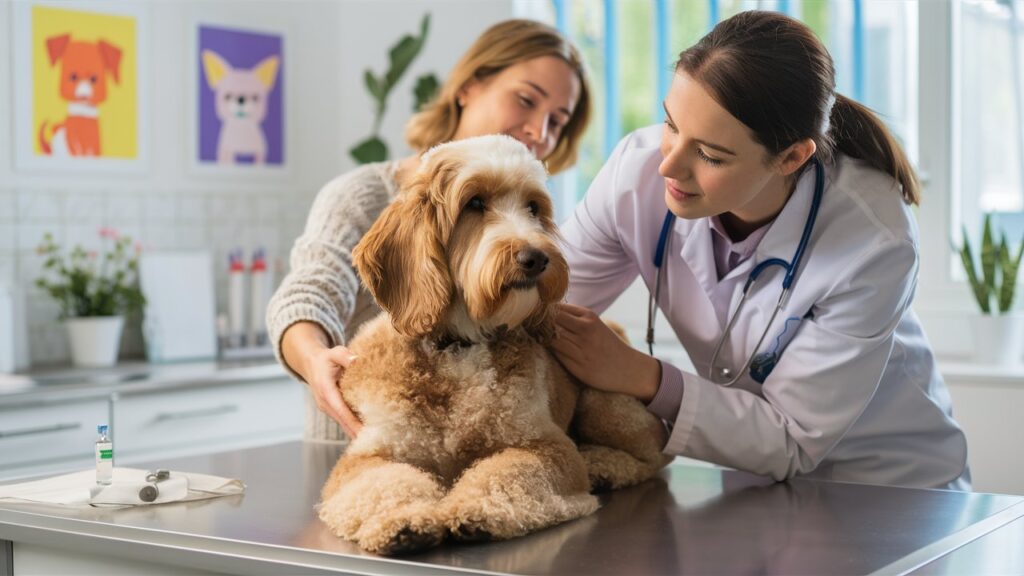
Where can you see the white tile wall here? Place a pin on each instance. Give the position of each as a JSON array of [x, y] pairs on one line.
[[219, 222]]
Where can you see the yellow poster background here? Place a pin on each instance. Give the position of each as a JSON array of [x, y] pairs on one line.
[[119, 113]]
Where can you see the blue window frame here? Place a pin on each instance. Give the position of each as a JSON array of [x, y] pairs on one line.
[[633, 44]]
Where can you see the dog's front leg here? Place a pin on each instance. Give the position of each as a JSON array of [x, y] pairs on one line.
[[386, 507], [619, 439], [519, 490]]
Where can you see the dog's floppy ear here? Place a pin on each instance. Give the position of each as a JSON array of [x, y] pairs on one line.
[[55, 47], [402, 262], [215, 68], [111, 56]]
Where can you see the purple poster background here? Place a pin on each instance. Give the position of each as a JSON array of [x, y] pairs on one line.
[[241, 50]]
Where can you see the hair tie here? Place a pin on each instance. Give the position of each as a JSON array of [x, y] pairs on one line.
[[826, 123]]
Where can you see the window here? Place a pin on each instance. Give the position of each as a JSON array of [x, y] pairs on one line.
[[989, 96], [630, 46]]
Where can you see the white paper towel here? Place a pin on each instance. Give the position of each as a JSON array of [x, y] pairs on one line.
[[79, 489]]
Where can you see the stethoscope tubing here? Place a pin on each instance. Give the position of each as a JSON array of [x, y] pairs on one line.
[[791, 268]]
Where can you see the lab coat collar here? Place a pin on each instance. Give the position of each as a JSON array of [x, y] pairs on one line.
[[698, 252], [782, 238]]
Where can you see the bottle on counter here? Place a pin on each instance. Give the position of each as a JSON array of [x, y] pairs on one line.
[[260, 288], [104, 456], [236, 298]]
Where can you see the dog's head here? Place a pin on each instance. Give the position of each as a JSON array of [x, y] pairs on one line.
[[84, 67], [469, 245], [240, 93]]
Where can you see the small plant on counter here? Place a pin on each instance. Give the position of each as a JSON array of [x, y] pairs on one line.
[[93, 283], [999, 268]]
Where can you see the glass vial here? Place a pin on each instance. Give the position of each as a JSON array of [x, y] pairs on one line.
[[104, 456]]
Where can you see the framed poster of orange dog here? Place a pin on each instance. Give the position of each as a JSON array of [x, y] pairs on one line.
[[79, 84]]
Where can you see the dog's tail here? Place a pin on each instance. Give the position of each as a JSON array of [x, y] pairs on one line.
[[42, 139]]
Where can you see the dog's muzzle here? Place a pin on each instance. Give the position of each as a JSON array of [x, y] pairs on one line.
[[532, 263]]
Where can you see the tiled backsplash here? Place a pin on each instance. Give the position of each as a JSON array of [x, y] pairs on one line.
[[218, 221]]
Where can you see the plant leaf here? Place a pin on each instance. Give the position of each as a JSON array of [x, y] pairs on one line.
[[405, 51], [425, 90], [1011, 268], [374, 86], [977, 286], [373, 149], [1006, 276], [988, 256]]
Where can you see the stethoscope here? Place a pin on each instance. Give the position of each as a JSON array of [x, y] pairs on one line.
[[724, 375]]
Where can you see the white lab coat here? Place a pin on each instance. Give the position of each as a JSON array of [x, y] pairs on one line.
[[856, 394]]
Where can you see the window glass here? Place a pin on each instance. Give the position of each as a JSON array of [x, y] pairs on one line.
[[990, 154], [870, 36]]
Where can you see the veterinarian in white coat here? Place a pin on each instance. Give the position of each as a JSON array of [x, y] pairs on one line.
[[843, 385]]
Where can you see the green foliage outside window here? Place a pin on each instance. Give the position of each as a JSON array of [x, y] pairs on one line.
[[638, 82]]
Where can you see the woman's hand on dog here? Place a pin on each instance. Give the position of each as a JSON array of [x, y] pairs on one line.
[[326, 367], [306, 348], [592, 352]]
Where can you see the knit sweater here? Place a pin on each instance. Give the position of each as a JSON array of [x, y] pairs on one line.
[[322, 285]]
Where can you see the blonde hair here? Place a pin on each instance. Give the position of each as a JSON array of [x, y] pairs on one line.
[[500, 46]]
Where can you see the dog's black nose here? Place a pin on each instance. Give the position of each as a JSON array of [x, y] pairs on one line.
[[532, 261], [241, 99]]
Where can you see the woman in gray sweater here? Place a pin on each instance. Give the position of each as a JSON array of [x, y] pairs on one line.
[[520, 78]]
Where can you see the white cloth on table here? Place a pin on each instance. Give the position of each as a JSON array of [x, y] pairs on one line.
[[79, 489]]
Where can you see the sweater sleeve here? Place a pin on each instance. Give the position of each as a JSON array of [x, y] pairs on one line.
[[322, 283]]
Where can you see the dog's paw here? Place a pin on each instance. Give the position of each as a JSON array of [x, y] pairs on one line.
[[407, 541], [599, 484], [471, 532], [611, 469], [401, 533]]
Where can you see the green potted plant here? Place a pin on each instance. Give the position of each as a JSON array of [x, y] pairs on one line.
[[998, 334], [400, 56], [94, 289]]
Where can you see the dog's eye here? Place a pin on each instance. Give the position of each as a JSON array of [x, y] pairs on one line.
[[475, 203], [74, 77], [92, 79], [227, 96], [255, 97], [533, 207]]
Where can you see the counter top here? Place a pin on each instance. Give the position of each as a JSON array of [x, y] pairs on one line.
[[688, 520], [64, 384]]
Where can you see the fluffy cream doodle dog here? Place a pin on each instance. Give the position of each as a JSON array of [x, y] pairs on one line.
[[467, 416]]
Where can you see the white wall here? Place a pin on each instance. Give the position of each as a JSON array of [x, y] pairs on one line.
[[328, 45], [987, 403]]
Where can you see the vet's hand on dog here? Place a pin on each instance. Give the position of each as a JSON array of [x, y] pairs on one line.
[[592, 352]]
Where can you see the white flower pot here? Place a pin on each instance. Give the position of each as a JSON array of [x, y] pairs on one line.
[[998, 339], [95, 340]]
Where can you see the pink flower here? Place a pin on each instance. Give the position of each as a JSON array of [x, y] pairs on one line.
[[138, 248], [106, 232], [92, 255]]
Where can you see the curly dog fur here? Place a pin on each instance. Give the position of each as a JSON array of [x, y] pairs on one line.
[[467, 416]]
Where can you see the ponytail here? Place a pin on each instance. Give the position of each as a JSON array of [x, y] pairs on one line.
[[857, 132]]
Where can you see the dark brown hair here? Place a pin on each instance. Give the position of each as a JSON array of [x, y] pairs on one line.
[[773, 74], [497, 48]]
